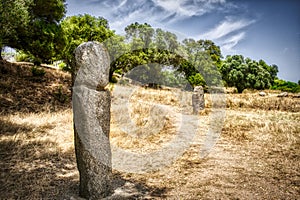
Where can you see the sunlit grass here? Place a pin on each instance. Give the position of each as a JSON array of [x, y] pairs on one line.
[[257, 153]]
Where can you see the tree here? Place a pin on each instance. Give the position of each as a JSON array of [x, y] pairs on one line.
[[154, 48], [32, 26], [147, 48], [203, 56], [82, 28], [139, 35], [246, 73], [15, 17]]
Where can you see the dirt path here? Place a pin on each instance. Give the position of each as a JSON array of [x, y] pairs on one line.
[[256, 168]]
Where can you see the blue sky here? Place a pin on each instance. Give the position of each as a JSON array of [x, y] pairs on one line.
[[258, 29]]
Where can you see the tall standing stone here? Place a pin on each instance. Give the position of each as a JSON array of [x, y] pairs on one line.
[[91, 110], [198, 101]]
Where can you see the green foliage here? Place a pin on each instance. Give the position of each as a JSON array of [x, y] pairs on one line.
[[246, 73], [37, 71], [286, 86], [173, 78], [32, 26], [147, 73], [114, 79], [82, 28], [15, 17], [193, 59], [24, 57], [140, 35], [201, 65], [196, 79], [63, 66]]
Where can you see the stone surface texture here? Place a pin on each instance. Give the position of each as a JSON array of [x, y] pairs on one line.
[[91, 110], [198, 101]]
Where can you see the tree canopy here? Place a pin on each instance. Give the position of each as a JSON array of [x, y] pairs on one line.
[[79, 29], [246, 73], [36, 27], [32, 26]]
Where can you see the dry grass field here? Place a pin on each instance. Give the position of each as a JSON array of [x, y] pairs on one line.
[[256, 157]]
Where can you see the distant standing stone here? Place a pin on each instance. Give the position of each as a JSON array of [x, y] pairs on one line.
[[198, 101]]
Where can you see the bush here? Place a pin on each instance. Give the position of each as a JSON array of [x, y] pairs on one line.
[[286, 86], [63, 66], [114, 79], [23, 57], [37, 62], [37, 71], [196, 80]]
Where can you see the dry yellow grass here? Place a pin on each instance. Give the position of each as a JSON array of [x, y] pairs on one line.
[[269, 102], [153, 119], [256, 157], [37, 155]]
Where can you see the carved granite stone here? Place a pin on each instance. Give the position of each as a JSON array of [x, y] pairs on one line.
[[91, 110], [198, 101]]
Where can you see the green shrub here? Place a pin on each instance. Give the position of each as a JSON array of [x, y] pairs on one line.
[[37, 71], [286, 86], [63, 66], [37, 62], [23, 57], [196, 80], [114, 79], [118, 71]]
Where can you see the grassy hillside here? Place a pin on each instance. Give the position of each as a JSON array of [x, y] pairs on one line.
[[257, 155]]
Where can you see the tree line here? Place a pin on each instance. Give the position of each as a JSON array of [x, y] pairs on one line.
[[40, 30]]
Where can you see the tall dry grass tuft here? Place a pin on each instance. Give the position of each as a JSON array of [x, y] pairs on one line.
[[272, 129]]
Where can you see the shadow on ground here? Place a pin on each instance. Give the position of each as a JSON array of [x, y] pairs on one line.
[[39, 169]]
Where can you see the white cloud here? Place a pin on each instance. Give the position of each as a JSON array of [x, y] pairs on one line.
[[228, 33], [158, 11], [188, 8], [161, 13], [225, 28], [231, 42]]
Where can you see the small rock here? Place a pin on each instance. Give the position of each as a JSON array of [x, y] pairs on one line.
[[262, 94], [283, 94]]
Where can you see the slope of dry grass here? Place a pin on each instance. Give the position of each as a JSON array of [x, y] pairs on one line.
[[20, 91], [256, 157], [36, 143]]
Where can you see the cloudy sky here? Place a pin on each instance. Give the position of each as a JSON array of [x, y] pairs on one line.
[[259, 29]]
